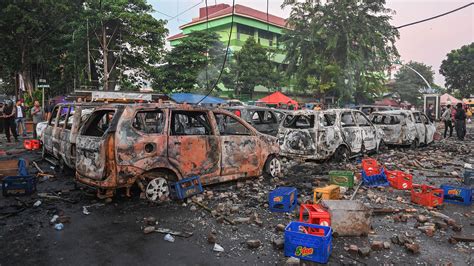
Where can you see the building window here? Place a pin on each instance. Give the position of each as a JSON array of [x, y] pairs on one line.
[[243, 29], [265, 35]]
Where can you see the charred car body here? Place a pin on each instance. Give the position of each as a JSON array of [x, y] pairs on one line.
[[320, 135], [60, 132], [154, 144], [404, 127], [265, 120]]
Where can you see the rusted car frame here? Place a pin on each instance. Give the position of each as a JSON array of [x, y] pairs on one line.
[[404, 127], [320, 135], [59, 136], [120, 145], [265, 120]]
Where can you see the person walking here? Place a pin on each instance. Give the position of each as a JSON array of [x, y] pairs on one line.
[[37, 115], [9, 114], [20, 119], [448, 124], [460, 121]]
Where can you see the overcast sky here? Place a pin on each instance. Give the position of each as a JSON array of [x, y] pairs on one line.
[[427, 42]]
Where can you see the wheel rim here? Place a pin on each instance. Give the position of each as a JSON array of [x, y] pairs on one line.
[[274, 167], [157, 190], [342, 154]]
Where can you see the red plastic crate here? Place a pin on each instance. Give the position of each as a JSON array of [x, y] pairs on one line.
[[371, 166], [400, 180], [314, 214], [31, 144], [426, 195]]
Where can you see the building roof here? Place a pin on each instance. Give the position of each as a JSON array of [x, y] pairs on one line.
[[239, 10], [176, 36]]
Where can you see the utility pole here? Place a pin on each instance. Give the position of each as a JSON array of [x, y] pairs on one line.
[[89, 70], [105, 55]]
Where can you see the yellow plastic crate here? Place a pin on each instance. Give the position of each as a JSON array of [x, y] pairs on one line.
[[331, 192]]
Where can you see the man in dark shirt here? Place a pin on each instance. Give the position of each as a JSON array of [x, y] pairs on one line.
[[460, 118], [9, 115]]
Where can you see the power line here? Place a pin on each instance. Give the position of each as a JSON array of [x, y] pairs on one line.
[[179, 14], [226, 54], [440, 15]]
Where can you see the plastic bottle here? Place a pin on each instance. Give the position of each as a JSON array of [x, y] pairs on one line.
[[169, 238]]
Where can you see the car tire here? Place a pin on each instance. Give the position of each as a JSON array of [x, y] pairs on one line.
[[341, 154], [272, 167], [155, 186]]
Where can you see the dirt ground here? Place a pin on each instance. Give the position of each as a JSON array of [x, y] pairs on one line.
[[112, 234]]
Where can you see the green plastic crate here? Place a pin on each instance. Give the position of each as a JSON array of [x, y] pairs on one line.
[[342, 178]]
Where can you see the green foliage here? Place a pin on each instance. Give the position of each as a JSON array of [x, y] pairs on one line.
[[340, 47], [251, 66], [185, 65], [409, 85], [458, 70]]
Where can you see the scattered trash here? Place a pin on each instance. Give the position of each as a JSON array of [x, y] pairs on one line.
[[37, 203], [169, 238], [85, 211], [59, 226], [218, 248], [53, 220]]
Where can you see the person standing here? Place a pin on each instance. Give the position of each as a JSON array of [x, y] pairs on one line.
[[9, 114], [37, 116], [446, 117], [430, 113], [20, 118], [460, 121]]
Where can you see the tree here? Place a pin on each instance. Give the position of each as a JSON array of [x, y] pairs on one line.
[[458, 70], [341, 46], [409, 85], [184, 68], [127, 41], [251, 66], [31, 32]]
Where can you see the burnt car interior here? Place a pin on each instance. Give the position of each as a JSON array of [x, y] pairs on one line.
[[299, 121], [99, 123], [230, 126], [185, 123], [263, 117], [150, 122], [347, 120], [386, 120]]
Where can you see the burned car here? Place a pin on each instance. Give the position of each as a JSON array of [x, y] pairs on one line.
[[404, 127], [320, 135], [152, 145], [265, 120], [60, 132]]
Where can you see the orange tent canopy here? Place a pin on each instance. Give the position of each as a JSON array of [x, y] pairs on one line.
[[277, 98]]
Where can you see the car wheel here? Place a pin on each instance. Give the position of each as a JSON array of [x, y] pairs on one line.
[[273, 167], [342, 154], [155, 186]]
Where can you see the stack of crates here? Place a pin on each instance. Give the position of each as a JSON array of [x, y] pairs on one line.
[[301, 244], [283, 199], [186, 187], [31, 144], [400, 180], [342, 178], [373, 175], [461, 195], [331, 192], [427, 195], [315, 214]]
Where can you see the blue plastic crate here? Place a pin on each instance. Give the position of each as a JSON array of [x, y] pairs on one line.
[[379, 180], [300, 244], [18, 185], [186, 187], [468, 177], [283, 199], [457, 194]]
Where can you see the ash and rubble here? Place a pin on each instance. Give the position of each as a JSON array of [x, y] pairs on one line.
[[238, 219]]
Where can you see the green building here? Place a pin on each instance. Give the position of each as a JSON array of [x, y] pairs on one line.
[[265, 28]]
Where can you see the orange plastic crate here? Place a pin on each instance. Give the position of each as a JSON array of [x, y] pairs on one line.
[[314, 214], [400, 180], [426, 195]]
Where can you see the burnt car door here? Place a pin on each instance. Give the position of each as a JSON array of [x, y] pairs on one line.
[[329, 138], [351, 132], [429, 128], [58, 130], [297, 134], [48, 131], [93, 141], [65, 137], [193, 147], [240, 151], [420, 127], [143, 141], [368, 131]]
